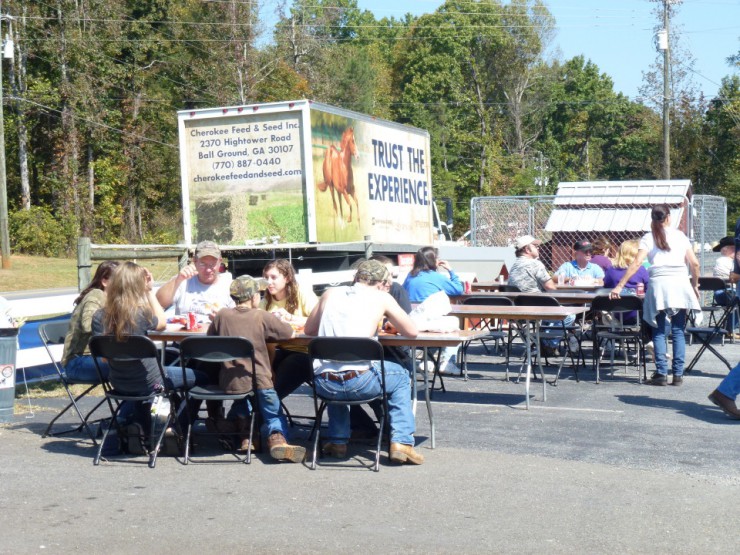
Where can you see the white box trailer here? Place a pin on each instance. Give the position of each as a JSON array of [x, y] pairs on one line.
[[304, 172]]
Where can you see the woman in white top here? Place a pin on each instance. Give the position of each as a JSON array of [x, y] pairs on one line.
[[670, 293]]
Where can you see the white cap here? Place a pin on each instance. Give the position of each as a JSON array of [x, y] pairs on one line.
[[525, 240]]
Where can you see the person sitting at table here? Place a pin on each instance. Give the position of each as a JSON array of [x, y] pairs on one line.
[[625, 255], [529, 274], [723, 269], [602, 253], [291, 303], [581, 268], [131, 308], [199, 287], [246, 319], [429, 275], [356, 311], [76, 360]]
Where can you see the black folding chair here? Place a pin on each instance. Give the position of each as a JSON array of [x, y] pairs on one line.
[[614, 330], [560, 333], [494, 327], [715, 311], [53, 333], [708, 334], [215, 349], [505, 288], [347, 349], [132, 349]]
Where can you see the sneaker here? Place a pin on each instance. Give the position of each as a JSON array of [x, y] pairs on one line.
[[450, 369], [658, 379], [573, 345]]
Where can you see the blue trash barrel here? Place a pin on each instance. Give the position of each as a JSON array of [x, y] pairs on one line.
[[8, 348]]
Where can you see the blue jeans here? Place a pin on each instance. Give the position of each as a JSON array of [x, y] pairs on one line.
[[367, 384], [268, 403], [730, 386], [556, 324], [678, 322], [82, 369]]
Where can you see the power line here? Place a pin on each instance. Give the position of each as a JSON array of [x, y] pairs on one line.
[[92, 122]]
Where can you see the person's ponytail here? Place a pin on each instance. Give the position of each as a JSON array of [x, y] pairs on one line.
[[658, 216]]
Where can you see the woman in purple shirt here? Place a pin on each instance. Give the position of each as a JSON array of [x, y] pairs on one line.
[[626, 254]]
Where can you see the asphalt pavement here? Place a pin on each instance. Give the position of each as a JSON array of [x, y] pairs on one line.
[[615, 467]]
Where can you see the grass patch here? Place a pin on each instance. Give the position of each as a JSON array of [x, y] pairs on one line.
[[52, 388], [21, 407], [40, 272]]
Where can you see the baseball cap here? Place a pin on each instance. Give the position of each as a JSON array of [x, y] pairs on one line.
[[582, 245], [243, 288], [525, 240], [372, 271], [207, 248]]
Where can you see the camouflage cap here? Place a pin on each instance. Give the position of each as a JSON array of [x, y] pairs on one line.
[[371, 271], [207, 248], [244, 288]]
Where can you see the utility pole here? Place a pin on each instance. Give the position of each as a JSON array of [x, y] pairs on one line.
[[4, 236], [664, 45]]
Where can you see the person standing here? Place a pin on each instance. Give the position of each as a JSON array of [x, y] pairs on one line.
[[357, 311], [670, 293], [428, 276]]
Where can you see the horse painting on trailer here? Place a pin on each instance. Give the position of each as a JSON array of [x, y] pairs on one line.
[[338, 176]]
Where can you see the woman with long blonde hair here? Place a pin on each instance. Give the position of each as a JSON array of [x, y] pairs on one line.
[[131, 308]]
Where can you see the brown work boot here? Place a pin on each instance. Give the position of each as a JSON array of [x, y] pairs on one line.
[[402, 453], [727, 405], [334, 450], [280, 450], [242, 425]]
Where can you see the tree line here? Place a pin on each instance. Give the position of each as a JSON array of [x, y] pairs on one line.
[[93, 88]]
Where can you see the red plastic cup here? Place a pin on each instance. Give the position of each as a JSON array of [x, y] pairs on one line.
[[192, 324]]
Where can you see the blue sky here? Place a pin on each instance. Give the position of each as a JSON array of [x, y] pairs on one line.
[[617, 35]]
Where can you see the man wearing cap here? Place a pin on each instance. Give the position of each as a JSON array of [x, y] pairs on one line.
[[528, 273], [356, 311], [199, 287], [581, 268], [247, 320]]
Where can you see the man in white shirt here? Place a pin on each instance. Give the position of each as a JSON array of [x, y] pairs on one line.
[[199, 287]]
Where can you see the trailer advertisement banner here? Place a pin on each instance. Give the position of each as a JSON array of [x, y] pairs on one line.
[[370, 179], [244, 177]]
